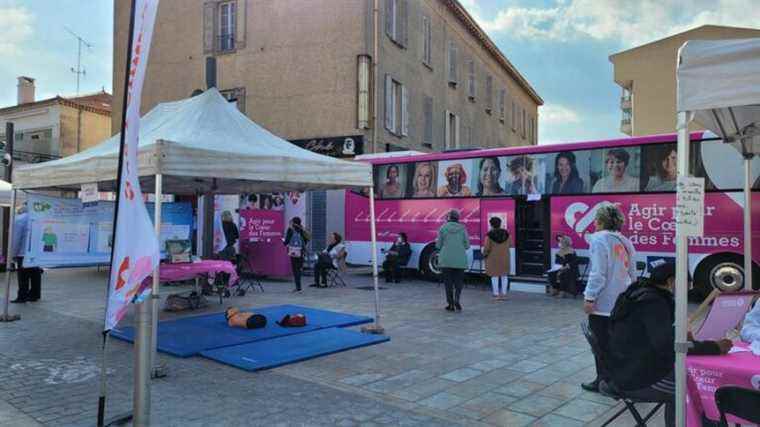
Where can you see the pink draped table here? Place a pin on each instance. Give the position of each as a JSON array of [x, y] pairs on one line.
[[191, 270], [708, 373]]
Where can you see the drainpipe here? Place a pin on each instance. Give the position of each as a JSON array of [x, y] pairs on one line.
[[375, 41]]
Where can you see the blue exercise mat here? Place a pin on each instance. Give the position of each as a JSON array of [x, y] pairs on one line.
[[188, 336], [280, 351]]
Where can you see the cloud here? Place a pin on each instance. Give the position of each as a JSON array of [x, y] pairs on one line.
[[557, 114], [626, 22], [15, 29]]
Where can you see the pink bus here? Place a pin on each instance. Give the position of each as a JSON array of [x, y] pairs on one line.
[[542, 191]]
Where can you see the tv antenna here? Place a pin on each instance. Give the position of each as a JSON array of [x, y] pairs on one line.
[[79, 71]]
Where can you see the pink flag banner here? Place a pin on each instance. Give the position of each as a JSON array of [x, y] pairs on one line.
[[135, 249]]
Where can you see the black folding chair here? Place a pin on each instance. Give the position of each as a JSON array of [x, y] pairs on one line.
[[248, 279], [611, 391], [739, 402], [335, 275]]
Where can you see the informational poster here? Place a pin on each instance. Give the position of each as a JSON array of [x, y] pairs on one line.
[[690, 206], [67, 232], [261, 240]]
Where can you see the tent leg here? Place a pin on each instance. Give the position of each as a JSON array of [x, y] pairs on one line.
[[157, 370], [748, 222], [682, 285], [7, 317], [376, 328]]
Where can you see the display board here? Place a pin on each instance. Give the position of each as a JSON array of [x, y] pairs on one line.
[[65, 232], [261, 239]]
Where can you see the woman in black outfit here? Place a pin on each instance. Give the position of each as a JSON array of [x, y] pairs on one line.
[[295, 241], [328, 259], [565, 280], [231, 234], [396, 258]]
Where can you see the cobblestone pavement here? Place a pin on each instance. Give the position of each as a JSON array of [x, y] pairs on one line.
[[511, 363]]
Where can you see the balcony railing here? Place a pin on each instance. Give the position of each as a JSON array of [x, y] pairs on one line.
[[625, 126], [625, 102]]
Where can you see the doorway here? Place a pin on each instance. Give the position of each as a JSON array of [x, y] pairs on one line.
[[532, 237]]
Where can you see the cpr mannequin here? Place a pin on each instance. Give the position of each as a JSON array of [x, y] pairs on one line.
[[244, 319]]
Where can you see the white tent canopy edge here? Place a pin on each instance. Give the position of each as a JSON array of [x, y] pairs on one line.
[[719, 87]]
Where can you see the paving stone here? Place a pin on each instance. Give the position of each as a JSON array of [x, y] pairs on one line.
[[561, 390], [582, 410], [536, 405], [443, 400], [527, 366], [520, 388], [462, 375], [508, 418], [484, 405]]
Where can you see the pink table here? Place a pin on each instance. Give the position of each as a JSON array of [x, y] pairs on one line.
[[708, 373], [192, 270]]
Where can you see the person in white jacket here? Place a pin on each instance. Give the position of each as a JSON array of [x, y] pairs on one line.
[[613, 269]]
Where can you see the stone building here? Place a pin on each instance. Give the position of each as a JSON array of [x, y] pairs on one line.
[[302, 70], [647, 77]]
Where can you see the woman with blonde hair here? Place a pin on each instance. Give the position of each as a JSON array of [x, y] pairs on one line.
[[423, 183], [564, 278]]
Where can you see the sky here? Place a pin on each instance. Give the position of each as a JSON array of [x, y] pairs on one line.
[[560, 46]]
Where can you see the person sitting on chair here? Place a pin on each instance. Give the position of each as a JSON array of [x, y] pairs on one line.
[[396, 258], [640, 352], [244, 319], [328, 260], [565, 279]]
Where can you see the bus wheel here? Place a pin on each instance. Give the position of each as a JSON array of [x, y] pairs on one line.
[[429, 263], [724, 272]]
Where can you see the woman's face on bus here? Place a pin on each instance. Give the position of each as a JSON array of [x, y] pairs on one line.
[[669, 164], [424, 178], [489, 174], [392, 175], [454, 178], [615, 166], [564, 168], [521, 173]]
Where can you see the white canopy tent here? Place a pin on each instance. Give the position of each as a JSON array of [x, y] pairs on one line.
[[204, 145], [718, 87]]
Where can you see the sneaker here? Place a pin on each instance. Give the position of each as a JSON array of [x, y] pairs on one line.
[[18, 301], [457, 306], [449, 307], [592, 386]]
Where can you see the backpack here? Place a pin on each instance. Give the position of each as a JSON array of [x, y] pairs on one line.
[[295, 246], [293, 320]]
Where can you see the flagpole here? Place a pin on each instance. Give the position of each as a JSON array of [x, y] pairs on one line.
[[157, 371]]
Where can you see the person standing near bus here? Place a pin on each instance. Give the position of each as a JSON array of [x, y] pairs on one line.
[[496, 253], [295, 241], [612, 270], [452, 245], [617, 180], [423, 183]]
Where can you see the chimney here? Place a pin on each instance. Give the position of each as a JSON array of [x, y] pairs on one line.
[[25, 90]]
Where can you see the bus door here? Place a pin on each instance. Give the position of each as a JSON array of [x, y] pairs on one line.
[[532, 236], [503, 209]]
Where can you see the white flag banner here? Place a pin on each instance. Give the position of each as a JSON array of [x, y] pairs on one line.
[[135, 250]]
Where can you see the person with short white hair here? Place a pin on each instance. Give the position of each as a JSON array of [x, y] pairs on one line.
[[452, 245]]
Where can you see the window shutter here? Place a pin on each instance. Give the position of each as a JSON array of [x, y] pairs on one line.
[[426, 39], [389, 18], [447, 131], [240, 23], [403, 24], [489, 93], [233, 25], [453, 78], [389, 104], [404, 111], [427, 137], [471, 80], [209, 26], [514, 116], [457, 144], [502, 95]]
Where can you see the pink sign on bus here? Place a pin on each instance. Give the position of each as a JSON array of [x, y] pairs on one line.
[[650, 224], [419, 219], [261, 234]]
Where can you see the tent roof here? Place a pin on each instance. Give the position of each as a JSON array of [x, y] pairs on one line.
[[201, 144], [718, 80]]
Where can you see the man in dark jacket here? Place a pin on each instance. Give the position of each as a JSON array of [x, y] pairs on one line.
[[641, 349]]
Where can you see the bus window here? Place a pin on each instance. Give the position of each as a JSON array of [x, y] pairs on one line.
[[490, 177], [660, 167], [391, 181], [568, 172], [526, 174], [452, 178], [615, 170], [423, 182]]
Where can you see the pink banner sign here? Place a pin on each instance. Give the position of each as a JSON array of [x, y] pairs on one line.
[[650, 223], [419, 219], [261, 240]]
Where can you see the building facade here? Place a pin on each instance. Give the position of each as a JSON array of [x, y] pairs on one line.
[[303, 70], [647, 77], [55, 127]]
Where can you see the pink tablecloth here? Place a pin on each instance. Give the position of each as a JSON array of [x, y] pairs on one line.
[[708, 373], [191, 270]]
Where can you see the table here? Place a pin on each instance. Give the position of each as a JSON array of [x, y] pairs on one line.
[[708, 373], [191, 270]]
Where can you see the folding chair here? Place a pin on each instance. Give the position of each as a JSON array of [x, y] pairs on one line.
[[740, 402], [248, 279], [335, 275], [727, 310], [609, 390]]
